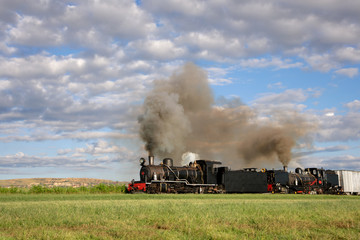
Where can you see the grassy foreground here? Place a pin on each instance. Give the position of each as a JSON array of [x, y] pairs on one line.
[[141, 216]]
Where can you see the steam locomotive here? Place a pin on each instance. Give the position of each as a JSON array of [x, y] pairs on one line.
[[204, 176]]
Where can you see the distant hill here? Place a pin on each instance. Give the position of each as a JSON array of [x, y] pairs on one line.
[[56, 182]]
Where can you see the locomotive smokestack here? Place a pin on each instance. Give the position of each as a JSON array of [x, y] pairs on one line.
[[151, 160], [285, 168]]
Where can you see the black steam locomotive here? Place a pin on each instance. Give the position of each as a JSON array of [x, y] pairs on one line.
[[202, 176]]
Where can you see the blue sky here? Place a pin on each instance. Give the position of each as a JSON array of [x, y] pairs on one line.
[[74, 74]]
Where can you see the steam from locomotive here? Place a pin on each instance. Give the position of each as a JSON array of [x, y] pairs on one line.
[[180, 115]]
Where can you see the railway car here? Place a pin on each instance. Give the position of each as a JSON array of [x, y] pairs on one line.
[[349, 181], [248, 180]]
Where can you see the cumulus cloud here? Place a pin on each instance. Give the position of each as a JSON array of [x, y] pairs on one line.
[[218, 76], [321, 62], [96, 155], [212, 30], [315, 149], [88, 135], [354, 105], [71, 70], [341, 162], [252, 28], [34, 32], [350, 54], [340, 127], [99, 148], [22, 160], [54, 23], [162, 49], [275, 63], [349, 72], [288, 97], [212, 45]]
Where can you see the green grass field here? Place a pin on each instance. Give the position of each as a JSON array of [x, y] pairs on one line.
[[141, 216]]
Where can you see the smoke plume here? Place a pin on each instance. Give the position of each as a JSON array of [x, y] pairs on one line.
[[179, 116], [189, 157]]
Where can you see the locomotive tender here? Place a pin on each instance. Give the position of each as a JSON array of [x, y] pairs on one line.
[[205, 176]]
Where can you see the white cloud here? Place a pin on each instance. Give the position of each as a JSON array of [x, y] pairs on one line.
[[350, 54], [211, 30], [354, 105], [100, 147], [339, 127], [276, 63], [316, 150], [217, 76], [190, 8], [4, 48], [278, 85], [349, 72], [38, 66], [96, 155], [68, 71], [241, 27], [330, 114], [341, 162], [63, 151], [163, 49], [121, 18], [212, 45], [288, 96], [339, 32], [31, 31], [140, 65], [323, 63]]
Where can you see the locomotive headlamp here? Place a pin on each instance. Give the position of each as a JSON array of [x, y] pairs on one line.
[[142, 161]]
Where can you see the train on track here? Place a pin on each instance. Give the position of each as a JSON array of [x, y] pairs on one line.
[[206, 176]]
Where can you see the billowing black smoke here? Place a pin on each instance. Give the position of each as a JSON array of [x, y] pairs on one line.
[[179, 116]]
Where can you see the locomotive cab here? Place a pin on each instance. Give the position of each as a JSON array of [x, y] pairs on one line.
[[210, 173], [319, 174]]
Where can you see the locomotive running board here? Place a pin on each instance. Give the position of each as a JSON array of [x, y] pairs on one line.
[[183, 181]]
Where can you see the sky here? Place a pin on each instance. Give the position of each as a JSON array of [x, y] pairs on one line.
[[74, 75]]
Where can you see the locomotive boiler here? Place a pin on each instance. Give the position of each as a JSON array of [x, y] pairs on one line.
[[166, 171]]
